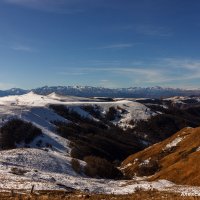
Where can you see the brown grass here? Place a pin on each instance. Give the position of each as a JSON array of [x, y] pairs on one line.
[[180, 165], [57, 195]]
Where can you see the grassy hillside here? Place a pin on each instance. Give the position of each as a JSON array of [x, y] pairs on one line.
[[176, 159]]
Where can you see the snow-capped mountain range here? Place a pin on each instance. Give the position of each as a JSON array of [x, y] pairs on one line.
[[89, 91]]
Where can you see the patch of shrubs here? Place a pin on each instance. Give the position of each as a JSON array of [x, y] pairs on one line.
[[100, 168], [66, 112], [111, 144], [93, 110], [166, 152], [111, 114], [185, 154], [76, 165], [164, 125], [18, 171], [80, 151], [148, 169], [76, 117], [17, 131]]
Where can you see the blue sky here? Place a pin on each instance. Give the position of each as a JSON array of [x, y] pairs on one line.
[[109, 43]]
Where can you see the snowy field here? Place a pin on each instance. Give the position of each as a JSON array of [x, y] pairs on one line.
[[51, 170]]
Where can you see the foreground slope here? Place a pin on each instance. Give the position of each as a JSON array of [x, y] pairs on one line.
[[176, 159]]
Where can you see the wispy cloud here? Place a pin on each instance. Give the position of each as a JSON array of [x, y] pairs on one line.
[[148, 30], [182, 69], [104, 63], [152, 30], [145, 75], [185, 63], [72, 73], [60, 6], [22, 48], [17, 46], [174, 70], [117, 46], [163, 71]]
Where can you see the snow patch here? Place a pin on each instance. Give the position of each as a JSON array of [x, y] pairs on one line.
[[174, 143], [145, 162], [198, 149]]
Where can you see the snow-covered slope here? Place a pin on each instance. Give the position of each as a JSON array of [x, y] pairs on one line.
[[33, 107], [52, 171]]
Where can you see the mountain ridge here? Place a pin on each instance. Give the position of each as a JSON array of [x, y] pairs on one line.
[[90, 91]]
